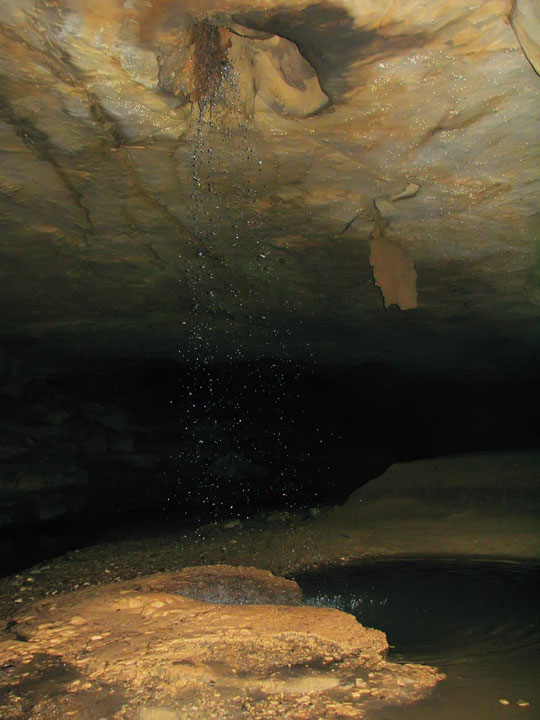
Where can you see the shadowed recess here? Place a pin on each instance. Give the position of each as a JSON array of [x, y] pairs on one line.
[[329, 39]]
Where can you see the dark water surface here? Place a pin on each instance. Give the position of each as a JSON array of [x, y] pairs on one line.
[[476, 620]]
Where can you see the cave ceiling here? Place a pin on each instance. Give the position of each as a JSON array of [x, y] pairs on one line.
[[337, 182]]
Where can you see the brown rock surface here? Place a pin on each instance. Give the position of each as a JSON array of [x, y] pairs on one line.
[[154, 655], [133, 220], [224, 584], [394, 273]]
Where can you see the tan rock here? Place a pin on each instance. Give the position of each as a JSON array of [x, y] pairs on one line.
[[525, 19], [394, 274], [187, 656]]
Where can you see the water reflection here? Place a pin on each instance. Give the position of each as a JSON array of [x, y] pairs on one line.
[[477, 621]]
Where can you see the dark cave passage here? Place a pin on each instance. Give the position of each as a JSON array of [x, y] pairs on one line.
[[106, 448]]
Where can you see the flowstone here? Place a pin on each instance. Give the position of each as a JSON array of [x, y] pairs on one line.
[[155, 655]]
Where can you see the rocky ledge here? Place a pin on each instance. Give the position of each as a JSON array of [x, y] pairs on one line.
[[137, 650]]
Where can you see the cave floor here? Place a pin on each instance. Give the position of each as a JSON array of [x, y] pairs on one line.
[[470, 507], [284, 543]]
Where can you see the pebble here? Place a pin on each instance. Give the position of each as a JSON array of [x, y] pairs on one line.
[[504, 701], [523, 703]]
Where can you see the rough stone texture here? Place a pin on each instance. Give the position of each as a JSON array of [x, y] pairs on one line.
[[482, 483], [466, 506], [133, 219], [224, 584], [525, 18], [172, 657], [483, 504], [394, 273]]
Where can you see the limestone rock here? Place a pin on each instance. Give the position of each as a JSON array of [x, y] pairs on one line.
[[458, 484], [224, 584], [394, 274], [480, 504], [283, 80], [175, 657], [131, 223], [525, 18]]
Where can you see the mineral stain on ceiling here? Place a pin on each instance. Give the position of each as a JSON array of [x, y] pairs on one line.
[[330, 38], [355, 181]]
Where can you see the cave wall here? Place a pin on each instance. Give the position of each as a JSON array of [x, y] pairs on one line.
[[130, 443]]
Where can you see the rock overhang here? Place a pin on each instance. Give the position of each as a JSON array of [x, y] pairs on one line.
[[139, 220]]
